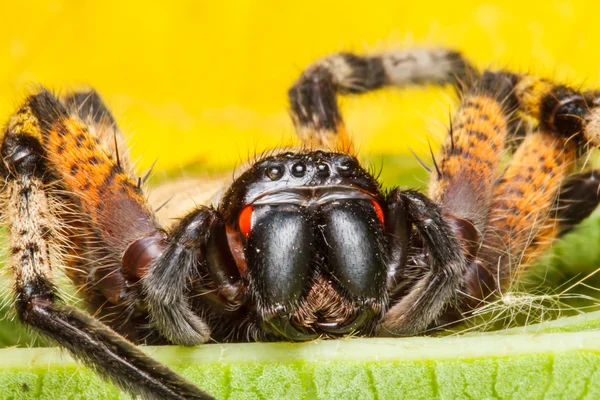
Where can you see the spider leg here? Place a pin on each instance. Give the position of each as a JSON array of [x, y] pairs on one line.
[[470, 157], [36, 137], [579, 197], [173, 260], [90, 109], [521, 220], [313, 97], [113, 202], [462, 185], [194, 241], [89, 265], [506, 221], [527, 213], [436, 288]]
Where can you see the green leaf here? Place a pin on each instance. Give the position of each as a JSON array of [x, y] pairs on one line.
[[548, 361]]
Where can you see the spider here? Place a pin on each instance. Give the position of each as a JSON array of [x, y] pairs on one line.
[[305, 242]]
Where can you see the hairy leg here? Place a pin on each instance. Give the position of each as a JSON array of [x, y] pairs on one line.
[[520, 212], [521, 219], [108, 290], [313, 97], [167, 284], [32, 231], [579, 197], [89, 107], [470, 158], [533, 201], [435, 289]]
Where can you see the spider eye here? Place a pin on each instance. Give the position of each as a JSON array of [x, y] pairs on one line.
[[323, 170], [298, 170], [245, 220], [378, 211], [275, 172], [347, 167]]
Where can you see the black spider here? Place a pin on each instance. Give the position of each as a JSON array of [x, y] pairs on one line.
[[304, 243]]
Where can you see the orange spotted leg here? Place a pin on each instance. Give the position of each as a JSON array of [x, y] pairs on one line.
[[534, 200], [464, 179], [97, 273], [521, 219], [43, 146]]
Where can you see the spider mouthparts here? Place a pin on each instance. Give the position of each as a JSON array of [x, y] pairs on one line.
[[352, 325], [283, 326]]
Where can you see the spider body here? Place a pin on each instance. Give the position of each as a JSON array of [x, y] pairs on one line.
[[299, 225], [304, 243]]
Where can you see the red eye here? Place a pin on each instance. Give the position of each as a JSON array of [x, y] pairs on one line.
[[378, 210], [245, 220]]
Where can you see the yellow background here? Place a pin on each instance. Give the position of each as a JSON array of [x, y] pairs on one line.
[[206, 81]]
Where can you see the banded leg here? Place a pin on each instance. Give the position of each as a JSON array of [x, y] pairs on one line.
[[113, 202], [577, 198], [30, 152], [575, 116], [313, 97]]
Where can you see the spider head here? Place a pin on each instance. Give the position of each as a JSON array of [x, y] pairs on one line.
[[307, 234]]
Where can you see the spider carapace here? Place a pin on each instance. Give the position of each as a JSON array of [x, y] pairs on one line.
[[304, 243]]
